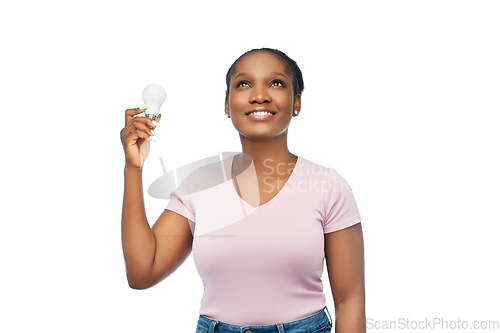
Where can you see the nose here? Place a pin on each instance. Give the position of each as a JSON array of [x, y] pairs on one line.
[[260, 95]]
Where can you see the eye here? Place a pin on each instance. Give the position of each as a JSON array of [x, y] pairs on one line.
[[278, 82], [241, 84]]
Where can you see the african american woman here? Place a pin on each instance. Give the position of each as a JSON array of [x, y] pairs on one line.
[[260, 223]]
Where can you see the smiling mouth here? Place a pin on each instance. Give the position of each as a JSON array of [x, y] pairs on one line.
[[261, 113]]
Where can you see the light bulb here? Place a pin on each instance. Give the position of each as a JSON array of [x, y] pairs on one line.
[[153, 95]]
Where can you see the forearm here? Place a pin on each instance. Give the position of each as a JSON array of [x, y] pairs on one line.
[[138, 240], [350, 316]]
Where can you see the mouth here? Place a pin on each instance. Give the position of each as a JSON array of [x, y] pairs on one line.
[[260, 113]]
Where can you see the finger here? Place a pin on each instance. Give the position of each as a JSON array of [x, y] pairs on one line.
[[146, 120], [132, 138], [135, 120], [155, 122], [139, 123], [144, 126], [130, 113], [143, 120], [144, 135]]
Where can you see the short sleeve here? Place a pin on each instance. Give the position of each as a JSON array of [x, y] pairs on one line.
[[181, 200], [341, 210]]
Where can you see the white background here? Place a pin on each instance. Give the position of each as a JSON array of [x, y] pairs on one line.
[[401, 98]]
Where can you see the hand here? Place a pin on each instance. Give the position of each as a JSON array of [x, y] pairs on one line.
[[135, 137]]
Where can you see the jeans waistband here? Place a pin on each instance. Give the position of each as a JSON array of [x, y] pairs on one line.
[[210, 324]]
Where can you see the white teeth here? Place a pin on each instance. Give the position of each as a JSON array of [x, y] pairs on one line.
[[261, 113]]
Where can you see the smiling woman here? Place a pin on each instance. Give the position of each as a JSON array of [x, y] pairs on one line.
[[262, 234]]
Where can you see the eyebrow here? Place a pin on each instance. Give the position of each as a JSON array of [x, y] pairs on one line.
[[270, 74]]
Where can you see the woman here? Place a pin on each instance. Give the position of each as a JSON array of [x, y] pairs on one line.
[[260, 236]]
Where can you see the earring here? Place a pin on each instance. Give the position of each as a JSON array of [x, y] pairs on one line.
[[295, 112], [227, 115]]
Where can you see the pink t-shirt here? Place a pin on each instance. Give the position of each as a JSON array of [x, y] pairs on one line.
[[262, 266]]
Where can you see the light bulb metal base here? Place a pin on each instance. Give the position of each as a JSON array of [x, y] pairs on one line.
[[152, 116]]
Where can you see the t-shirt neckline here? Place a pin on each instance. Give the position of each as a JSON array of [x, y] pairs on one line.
[[273, 199]]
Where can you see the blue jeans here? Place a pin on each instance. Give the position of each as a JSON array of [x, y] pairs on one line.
[[316, 323]]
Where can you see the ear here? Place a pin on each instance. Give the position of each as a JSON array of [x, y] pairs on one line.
[[296, 102], [226, 106]]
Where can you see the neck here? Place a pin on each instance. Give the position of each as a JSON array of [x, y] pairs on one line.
[[267, 155]]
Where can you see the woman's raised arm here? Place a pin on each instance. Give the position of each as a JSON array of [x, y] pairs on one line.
[[151, 254]]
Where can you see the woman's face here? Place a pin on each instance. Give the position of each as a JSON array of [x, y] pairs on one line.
[[261, 81]]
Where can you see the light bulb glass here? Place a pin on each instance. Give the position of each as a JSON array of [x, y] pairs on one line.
[[153, 95]]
